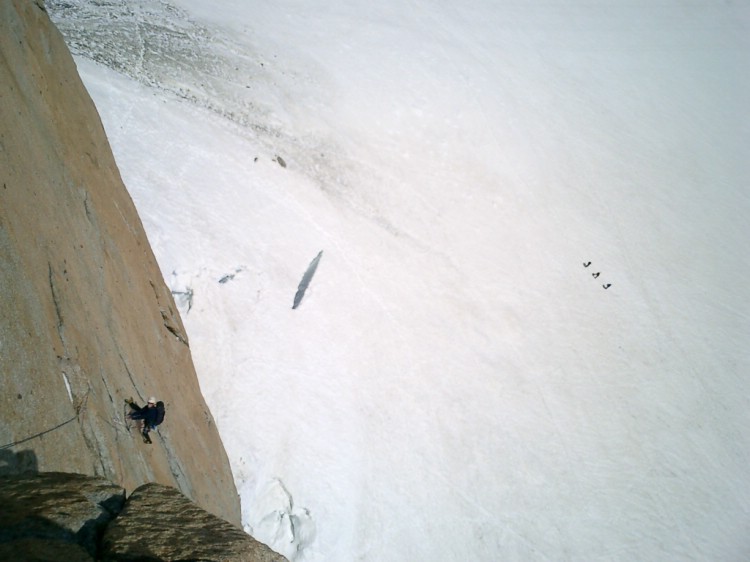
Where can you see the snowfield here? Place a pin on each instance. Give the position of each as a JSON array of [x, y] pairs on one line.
[[527, 335]]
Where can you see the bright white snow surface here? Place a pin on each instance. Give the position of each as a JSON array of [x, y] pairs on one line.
[[455, 384]]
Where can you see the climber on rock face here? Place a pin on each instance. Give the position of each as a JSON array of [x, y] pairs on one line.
[[148, 417]]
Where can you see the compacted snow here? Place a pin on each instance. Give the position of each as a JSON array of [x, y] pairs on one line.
[[458, 382]]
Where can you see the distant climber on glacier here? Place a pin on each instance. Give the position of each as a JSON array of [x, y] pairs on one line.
[[147, 417]]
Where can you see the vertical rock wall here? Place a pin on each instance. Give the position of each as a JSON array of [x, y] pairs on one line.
[[85, 317]]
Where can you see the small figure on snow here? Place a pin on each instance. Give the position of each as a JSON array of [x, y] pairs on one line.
[[147, 417], [597, 274], [588, 263]]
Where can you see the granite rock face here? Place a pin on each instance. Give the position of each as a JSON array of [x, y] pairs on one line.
[[159, 523], [57, 516], [86, 319], [54, 513]]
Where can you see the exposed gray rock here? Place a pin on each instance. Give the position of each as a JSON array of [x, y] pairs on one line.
[[306, 278], [55, 516], [159, 523]]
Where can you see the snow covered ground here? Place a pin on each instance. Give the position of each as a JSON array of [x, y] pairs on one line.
[[455, 384]]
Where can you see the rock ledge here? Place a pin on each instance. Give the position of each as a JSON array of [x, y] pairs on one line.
[[59, 516]]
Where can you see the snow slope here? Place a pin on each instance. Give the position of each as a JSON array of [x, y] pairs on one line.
[[455, 383]]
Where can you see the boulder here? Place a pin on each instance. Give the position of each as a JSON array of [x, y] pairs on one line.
[[55, 516], [159, 523], [72, 517]]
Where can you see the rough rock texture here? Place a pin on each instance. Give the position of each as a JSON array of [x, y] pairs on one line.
[[85, 317], [57, 516], [159, 523], [43, 550], [46, 515]]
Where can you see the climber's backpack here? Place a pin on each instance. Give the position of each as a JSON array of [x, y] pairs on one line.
[[159, 412]]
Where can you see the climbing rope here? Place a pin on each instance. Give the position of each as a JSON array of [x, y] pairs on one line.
[[9, 445], [79, 409]]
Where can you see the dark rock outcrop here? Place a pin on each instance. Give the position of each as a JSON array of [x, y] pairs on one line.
[[159, 523], [56, 516], [86, 319]]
